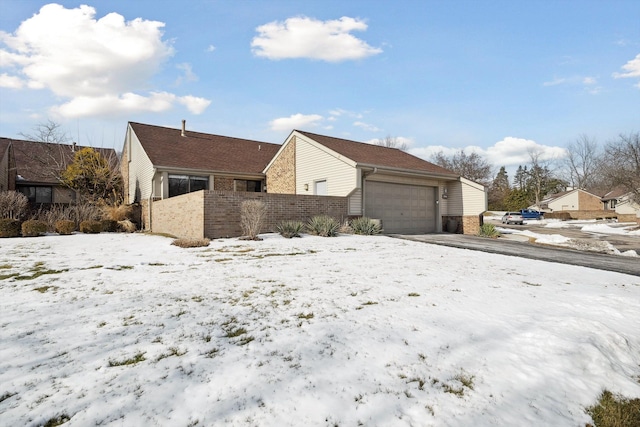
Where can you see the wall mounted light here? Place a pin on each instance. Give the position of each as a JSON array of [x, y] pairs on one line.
[[444, 193], [306, 187]]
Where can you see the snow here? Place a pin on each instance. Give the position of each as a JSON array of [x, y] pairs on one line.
[[329, 331]]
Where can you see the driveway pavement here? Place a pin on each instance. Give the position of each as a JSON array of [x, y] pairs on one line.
[[525, 249]]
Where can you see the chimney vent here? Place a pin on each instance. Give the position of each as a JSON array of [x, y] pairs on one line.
[[73, 148], [184, 126]]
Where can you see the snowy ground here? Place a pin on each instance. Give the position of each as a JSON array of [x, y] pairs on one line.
[[117, 329], [587, 226]]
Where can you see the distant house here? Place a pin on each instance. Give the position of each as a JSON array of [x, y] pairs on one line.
[[7, 165], [408, 194], [160, 162], [35, 168], [621, 201], [571, 200]]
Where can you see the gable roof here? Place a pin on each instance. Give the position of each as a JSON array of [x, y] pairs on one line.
[[553, 197], [166, 147], [4, 146], [41, 162], [377, 156], [616, 193]]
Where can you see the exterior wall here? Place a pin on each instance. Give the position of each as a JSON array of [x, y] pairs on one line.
[[471, 224], [627, 207], [281, 175], [223, 184], [63, 195], [589, 202], [4, 171], [124, 171], [568, 202], [314, 163], [355, 202], [139, 169], [599, 214], [474, 198], [180, 216], [222, 210]]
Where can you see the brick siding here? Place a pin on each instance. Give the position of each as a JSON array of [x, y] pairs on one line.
[[216, 214], [587, 202], [281, 176], [469, 224], [222, 184]]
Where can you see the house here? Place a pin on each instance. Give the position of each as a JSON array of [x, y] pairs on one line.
[[159, 162], [621, 202], [408, 194], [571, 200], [37, 167], [7, 165]]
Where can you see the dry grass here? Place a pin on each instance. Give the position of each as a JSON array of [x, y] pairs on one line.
[[127, 226], [117, 212], [615, 411], [191, 243]]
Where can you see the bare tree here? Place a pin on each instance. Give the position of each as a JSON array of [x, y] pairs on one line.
[[540, 178], [621, 163], [582, 162], [471, 166], [50, 131], [392, 142]]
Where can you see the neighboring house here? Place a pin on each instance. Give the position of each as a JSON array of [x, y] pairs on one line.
[[408, 194], [621, 201], [7, 165], [37, 167], [160, 162], [572, 200]]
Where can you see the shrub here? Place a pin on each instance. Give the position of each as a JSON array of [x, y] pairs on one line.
[[109, 225], [84, 212], [488, 230], [290, 229], [191, 243], [252, 213], [13, 205], [127, 226], [365, 226], [323, 225], [117, 212], [52, 215], [33, 228], [65, 226], [9, 227], [91, 226]]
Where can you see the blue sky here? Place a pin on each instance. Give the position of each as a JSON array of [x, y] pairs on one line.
[[498, 77]]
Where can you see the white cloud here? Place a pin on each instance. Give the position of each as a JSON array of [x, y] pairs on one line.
[[589, 80], [211, 48], [194, 104], [11, 82], [295, 121], [366, 126], [187, 73], [555, 82], [89, 60], [632, 69], [513, 151], [303, 37]]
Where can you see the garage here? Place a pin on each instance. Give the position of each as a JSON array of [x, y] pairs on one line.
[[403, 209]]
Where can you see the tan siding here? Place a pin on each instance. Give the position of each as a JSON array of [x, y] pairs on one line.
[[474, 199], [568, 202], [455, 202], [355, 202], [313, 164], [140, 169]]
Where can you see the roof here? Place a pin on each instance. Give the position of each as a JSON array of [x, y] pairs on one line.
[[166, 147], [377, 156], [616, 193], [4, 144], [41, 162]]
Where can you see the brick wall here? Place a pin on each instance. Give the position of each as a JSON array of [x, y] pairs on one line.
[[469, 224], [180, 216], [222, 183], [222, 210], [281, 176], [596, 214], [588, 202]]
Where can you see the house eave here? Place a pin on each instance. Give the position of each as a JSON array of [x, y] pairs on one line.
[[173, 169], [407, 172]]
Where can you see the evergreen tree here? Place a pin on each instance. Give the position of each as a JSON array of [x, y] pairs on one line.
[[92, 176], [499, 190]]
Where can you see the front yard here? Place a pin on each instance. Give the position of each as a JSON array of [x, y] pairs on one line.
[[125, 329]]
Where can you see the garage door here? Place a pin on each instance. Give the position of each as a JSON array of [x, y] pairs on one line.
[[403, 209]]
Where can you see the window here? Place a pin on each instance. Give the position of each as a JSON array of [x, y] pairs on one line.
[[37, 195], [612, 203], [183, 184], [254, 186]]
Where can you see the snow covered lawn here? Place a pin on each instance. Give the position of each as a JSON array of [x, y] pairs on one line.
[[117, 329]]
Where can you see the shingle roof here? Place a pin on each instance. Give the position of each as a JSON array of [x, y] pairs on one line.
[[167, 148], [375, 155], [4, 144], [616, 193], [42, 162]]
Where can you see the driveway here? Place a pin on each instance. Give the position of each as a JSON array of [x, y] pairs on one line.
[[525, 249]]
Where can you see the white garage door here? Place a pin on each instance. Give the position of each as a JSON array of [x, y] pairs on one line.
[[403, 209]]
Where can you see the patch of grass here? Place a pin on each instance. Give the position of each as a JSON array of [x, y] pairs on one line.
[[101, 324], [156, 264], [197, 298], [223, 259], [5, 266], [6, 396], [57, 421], [305, 316], [615, 411], [37, 273], [531, 284], [191, 243], [137, 358], [414, 294], [121, 267], [93, 267], [418, 380], [8, 276], [232, 333], [173, 351], [43, 289], [464, 379], [369, 303], [212, 353]]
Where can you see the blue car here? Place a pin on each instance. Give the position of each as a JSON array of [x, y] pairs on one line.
[[531, 214]]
